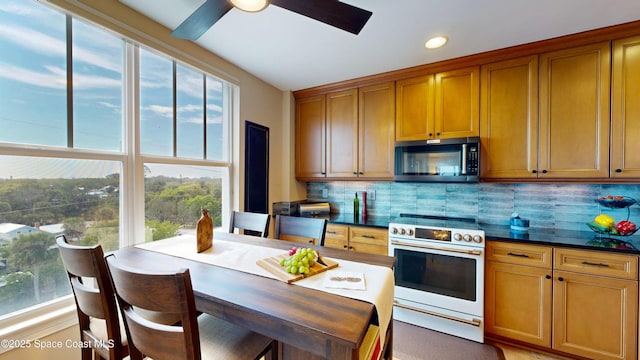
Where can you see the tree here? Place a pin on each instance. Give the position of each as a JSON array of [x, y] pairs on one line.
[[30, 252], [74, 228], [163, 230]]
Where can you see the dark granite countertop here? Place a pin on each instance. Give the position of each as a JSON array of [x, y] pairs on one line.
[[535, 236]]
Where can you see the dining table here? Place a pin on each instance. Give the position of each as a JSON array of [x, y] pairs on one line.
[[307, 321]]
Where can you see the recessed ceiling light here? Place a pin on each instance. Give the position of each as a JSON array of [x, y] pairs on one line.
[[250, 5], [435, 42]]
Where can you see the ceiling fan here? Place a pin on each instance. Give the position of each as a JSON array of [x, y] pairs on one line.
[[331, 12]]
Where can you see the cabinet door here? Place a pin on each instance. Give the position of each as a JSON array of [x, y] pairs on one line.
[[595, 316], [574, 112], [342, 131], [376, 131], [337, 236], [310, 137], [509, 119], [369, 240], [457, 103], [625, 127], [415, 108], [518, 302]]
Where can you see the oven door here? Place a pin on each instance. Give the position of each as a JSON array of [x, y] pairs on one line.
[[445, 276]]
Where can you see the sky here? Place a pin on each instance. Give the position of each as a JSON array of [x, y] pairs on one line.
[[33, 95]]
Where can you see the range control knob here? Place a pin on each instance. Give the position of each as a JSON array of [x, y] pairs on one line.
[[410, 232], [403, 231], [394, 230], [477, 238], [466, 237], [457, 237]]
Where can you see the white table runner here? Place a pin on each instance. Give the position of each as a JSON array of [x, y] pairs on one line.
[[242, 257]]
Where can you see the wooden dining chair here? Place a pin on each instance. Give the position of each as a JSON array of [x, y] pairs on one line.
[[252, 223], [194, 337], [300, 229], [100, 325]]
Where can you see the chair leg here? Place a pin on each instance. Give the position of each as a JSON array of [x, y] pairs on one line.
[[87, 353], [272, 353]]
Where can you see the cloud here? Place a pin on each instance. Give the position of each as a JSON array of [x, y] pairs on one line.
[[51, 79], [35, 41], [164, 111]]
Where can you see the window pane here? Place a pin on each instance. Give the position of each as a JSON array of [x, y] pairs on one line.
[[175, 194], [217, 115], [33, 101], [39, 199], [97, 88], [156, 104], [190, 131]]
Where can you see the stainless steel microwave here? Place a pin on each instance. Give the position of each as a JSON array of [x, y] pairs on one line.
[[441, 160]]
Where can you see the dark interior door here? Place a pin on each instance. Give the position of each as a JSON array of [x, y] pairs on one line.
[[256, 172]]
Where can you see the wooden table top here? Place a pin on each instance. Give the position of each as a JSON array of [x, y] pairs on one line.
[[328, 325]]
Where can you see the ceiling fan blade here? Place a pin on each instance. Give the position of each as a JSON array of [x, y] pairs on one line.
[[331, 12], [202, 19]]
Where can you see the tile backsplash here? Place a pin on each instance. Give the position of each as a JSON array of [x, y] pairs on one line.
[[561, 206]]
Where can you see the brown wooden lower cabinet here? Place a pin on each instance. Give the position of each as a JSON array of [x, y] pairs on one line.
[[357, 238], [584, 304]]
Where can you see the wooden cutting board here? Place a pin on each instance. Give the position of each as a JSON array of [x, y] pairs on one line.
[[272, 265]]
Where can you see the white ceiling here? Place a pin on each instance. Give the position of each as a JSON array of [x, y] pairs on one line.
[[293, 52]]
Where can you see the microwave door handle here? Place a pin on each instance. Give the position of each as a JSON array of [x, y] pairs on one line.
[[464, 160]]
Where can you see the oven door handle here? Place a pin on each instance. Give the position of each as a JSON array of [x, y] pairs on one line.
[[474, 322], [470, 252]]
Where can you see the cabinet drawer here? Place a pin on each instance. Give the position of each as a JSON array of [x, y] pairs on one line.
[[367, 235], [337, 232], [521, 254], [596, 263]]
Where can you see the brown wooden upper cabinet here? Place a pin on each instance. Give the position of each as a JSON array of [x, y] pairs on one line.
[[574, 112], [569, 137], [438, 106], [625, 102], [310, 137], [509, 119], [356, 130]]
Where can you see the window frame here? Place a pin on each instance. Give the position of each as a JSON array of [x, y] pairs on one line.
[[49, 317]]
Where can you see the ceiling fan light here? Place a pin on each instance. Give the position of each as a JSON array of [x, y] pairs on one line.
[[435, 42], [250, 5]]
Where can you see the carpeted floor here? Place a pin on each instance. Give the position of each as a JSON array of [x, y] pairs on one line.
[[412, 342]]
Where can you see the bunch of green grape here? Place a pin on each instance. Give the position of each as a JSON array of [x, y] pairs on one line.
[[299, 261]]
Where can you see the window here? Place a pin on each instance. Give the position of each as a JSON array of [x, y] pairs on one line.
[[65, 149]]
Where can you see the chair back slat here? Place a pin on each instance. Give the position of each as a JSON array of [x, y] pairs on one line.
[[288, 226], [255, 222], [88, 299], [166, 293]]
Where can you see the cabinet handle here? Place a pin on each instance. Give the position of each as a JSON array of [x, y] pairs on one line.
[[331, 232], [310, 241], [547, 276], [360, 173], [595, 264], [437, 134], [368, 236], [518, 255], [355, 173], [618, 170], [560, 278], [430, 134], [544, 171], [345, 246], [323, 173], [534, 171], [350, 247]]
